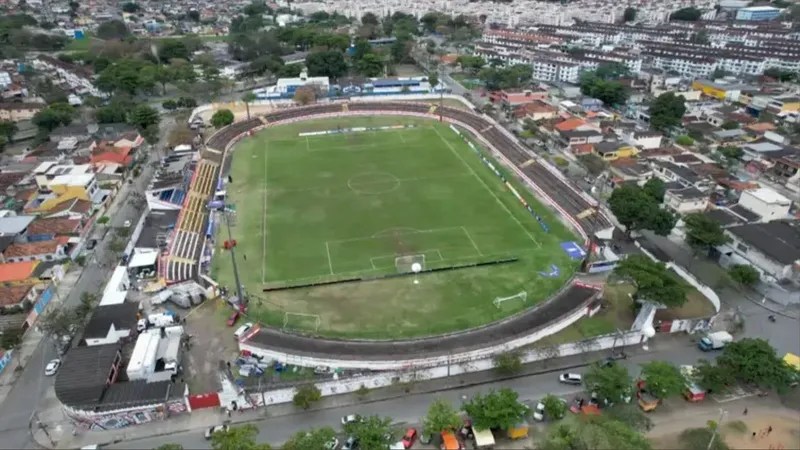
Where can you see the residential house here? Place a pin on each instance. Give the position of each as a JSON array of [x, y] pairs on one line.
[[78, 131], [511, 100], [73, 208], [131, 139], [59, 183], [52, 250], [686, 201], [578, 137], [536, 111], [773, 248], [77, 77], [110, 153], [19, 272], [611, 151], [13, 298], [45, 229], [646, 140], [784, 105], [681, 174], [13, 225], [16, 112], [767, 203], [787, 171], [111, 323]]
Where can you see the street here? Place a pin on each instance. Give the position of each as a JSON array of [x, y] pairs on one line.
[[33, 391], [411, 408]]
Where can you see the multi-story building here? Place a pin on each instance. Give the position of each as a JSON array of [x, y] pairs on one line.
[[758, 13]]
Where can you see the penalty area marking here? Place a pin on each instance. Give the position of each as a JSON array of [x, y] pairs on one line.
[[330, 261], [500, 202], [469, 236], [393, 256]]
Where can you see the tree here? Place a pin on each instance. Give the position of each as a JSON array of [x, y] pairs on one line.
[[554, 407], [608, 91], [684, 140], [729, 125], [130, 7], [699, 438], [371, 431], [508, 363], [471, 64], [304, 95], [441, 417], [371, 65], [222, 118], [731, 152], [242, 437], [310, 440], [630, 415], [369, 19], [666, 111], [638, 209], [329, 63], [612, 383], [186, 102], [593, 433], [663, 379], [248, 98], [712, 377], [755, 362], [143, 116], [10, 338], [433, 79], [654, 282], [58, 322], [169, 105], [54, 116], [112, 30], [305, 395], [629, 15], [116, 111], [499, 409], [703, 233], [7, 128], [690, 14], [655, 187], [744, 274]]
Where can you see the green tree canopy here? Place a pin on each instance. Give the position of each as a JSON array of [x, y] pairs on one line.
[[712, 377], [307, 394], [654, 282], [222, 118], [130, 7], [241, 437], [663, 379], [143, 116], [371, 65], [369, 19], [629, 15], [471, 64], [754, 361], [441, 416], [689, 14], [371, 431], [116, 111], [729, 125], [666, 111], [310, 440], [516, 76], [112, 29], [593, 433], [638, 209], [612, 383], [630, 414], [328, 63], [744, 274], [731, 152], [54, 116], [608, 91], [499, 409], [554, 407], [703, 233], [655, 188]]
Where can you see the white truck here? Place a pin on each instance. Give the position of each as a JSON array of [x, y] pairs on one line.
[[715, 341], [156, 320]]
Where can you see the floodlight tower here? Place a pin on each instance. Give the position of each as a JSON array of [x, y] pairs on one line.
[[231, 245]]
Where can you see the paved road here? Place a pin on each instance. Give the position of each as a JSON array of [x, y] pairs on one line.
[[33, 391], [409, 409]]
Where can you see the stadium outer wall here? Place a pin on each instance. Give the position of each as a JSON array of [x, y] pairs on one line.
[[305, 357]]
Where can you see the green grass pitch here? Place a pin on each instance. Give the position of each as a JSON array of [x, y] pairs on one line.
[[329, 207]]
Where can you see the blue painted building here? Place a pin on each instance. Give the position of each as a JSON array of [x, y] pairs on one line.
[[756, 13]]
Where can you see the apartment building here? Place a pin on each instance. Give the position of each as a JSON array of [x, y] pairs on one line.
[[16, 112], [78, 78]]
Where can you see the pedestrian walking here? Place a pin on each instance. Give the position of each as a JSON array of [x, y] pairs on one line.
[[744, 412], [244, 255], [769, 430]]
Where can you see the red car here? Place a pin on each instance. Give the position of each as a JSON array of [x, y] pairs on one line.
[[409, 437], [233, 318]]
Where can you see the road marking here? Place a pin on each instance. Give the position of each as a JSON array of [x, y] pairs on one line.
[[500, 202], [264, 221]]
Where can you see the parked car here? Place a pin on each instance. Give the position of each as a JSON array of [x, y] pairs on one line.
[[539, 414], [242, 330], [409, 437], [52, 367], [233, 318], [570, 378], [91, 244], [352, 418], [351, 443], [216, 429]]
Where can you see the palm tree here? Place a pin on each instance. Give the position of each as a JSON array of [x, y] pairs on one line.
[[247, 98]]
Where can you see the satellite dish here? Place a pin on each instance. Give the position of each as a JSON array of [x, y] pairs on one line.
[[416, 267], [649, 331]]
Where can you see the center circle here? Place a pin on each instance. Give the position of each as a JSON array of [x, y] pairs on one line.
[[373, 183]]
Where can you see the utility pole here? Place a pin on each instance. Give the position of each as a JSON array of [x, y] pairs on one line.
[[225, 213], [714, 432]]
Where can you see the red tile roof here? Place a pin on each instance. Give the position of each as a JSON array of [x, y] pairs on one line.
[[56, 226], [17, 271], [107, 152], [32, 249], [74, 205], [12, 295], [570, 124]]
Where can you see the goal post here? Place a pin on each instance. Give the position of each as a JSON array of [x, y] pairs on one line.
[[498, 301], [405, 263], [301, 321]]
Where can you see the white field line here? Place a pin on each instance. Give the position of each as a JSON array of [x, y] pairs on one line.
[[500, 202], [264, 223], [330, 261], [469, 236], [399, 233], [308, 145], [394, 256], [369, 183]]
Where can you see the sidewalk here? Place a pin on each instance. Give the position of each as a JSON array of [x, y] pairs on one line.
[[32, 338], [206, 418]]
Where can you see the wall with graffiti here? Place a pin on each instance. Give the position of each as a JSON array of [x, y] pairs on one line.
[[114, 420]]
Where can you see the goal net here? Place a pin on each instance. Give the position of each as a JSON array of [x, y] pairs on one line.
[[498, 301], [406, 263], [301, 321]]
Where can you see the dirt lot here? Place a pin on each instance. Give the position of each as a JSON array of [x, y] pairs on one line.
[[212, 342]]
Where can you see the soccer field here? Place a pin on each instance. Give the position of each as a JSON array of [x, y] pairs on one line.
[[370, 203]]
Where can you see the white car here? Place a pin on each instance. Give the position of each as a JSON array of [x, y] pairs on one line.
[[52, 367], [217, 429], [352, 418], [538, 412], [242, 330], [570, 378]]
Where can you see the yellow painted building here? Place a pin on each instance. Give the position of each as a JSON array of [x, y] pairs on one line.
[[710, 89], [784, 105], [63, 188], [612, 151]]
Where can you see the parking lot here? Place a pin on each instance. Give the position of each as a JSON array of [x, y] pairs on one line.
[[210, 346]]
